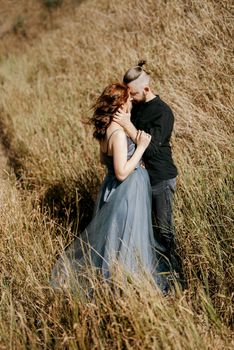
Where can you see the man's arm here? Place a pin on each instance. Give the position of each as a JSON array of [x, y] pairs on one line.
[[155, 143], [123, 119], [161, 134]]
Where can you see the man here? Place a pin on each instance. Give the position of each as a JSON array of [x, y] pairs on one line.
[[151, 114]]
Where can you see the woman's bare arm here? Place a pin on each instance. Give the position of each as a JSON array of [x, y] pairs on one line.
[[122, 166]]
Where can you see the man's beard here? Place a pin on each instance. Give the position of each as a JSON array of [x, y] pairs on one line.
[[143, 99]]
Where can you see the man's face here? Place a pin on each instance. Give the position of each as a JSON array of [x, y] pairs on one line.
[[137, 93]]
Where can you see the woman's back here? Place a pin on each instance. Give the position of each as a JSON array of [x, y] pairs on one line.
[[107, 159], [106, 147]]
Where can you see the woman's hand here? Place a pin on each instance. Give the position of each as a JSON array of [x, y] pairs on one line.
[[143, 139], [122, 118]]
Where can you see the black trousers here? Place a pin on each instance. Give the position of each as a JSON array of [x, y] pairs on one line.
[[162, 209]]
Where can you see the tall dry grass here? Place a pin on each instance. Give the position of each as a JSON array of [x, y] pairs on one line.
[[53, 174]]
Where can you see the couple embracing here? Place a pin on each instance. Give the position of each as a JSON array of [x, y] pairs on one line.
[[133, 216]]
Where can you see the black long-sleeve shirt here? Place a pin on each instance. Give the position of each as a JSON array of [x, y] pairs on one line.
[[156, 118]]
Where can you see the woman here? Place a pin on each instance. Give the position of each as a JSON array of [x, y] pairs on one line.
[[121, 229]]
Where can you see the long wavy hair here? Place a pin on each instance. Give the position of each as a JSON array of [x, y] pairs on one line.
[[111, 99]]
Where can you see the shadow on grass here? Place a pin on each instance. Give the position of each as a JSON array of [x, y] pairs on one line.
[[71, 206], [14, 155], [70, 203]]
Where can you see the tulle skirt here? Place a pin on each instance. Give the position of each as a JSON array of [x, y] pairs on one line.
[[120, 231]]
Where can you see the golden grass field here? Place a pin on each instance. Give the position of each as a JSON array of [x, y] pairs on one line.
[[53, 64]]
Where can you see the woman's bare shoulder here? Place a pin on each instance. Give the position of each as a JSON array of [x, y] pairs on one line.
[[113, 131], [116, 132], [112, 128]]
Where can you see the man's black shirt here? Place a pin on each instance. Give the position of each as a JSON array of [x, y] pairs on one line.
[[156, 118]]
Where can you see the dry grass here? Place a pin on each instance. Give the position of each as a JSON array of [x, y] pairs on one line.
[[53, 172]]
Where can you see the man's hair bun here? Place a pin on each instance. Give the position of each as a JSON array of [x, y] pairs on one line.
[[134, 72], [141, 63]]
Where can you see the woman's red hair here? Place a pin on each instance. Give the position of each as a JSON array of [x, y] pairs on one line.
[[111, 99]]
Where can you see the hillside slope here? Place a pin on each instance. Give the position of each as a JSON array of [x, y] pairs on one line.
[[49, 79]]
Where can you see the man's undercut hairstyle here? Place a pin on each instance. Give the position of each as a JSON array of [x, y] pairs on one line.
[[135, 72]]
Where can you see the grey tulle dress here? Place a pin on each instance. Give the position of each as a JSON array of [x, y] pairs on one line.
[[121, 229]]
